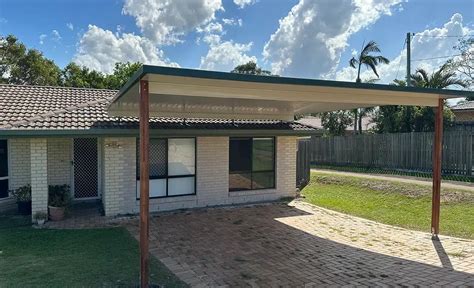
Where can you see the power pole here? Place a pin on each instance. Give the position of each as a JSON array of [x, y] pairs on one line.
[[408, 58]]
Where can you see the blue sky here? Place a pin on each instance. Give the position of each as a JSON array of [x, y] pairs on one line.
[[315, 40]]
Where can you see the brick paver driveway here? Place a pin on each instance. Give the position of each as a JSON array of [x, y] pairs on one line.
[[302, 245]]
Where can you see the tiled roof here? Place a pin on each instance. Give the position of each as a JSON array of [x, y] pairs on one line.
[[464, 106], [45, 108]]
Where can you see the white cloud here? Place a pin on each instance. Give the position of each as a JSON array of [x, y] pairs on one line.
[[224, 56], [243, 3], [55, 35], [232, 21], [311, 38], [164, 21], [42, 37], [100, 49], [430, 43], [213, 27], [70, 26]]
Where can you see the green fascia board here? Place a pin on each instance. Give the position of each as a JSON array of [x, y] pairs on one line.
[[184, 72], [10, 133]]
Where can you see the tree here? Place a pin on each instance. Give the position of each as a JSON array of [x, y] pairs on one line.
[[366, 58], [250, 68], [122, 72], [464, 63], [390, 119], [26, 66], [336, 122], [82, 77]]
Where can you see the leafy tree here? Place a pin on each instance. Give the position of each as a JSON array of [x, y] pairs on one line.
[[371, 61], [464, 63], [19, 65], [75, 76], [335, 122], [390, 119], [250, 68], [122, 72]]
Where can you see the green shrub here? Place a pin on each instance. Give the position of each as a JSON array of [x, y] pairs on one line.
[[59, 195], [22, 194]]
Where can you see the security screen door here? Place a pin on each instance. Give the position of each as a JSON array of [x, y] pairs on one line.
[[3, 169], [86, 168]]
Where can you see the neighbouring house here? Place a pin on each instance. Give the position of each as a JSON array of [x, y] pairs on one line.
[[315, 122], [59, 135], [464, 112]]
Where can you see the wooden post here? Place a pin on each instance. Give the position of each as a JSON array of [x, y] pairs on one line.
[[437, 158], [144, 182]]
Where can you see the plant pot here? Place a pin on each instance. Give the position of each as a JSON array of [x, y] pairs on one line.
[[56, 213], [24, 207], [40, 222]]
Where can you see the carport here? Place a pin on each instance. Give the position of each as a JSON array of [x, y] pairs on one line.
[[173, 92]]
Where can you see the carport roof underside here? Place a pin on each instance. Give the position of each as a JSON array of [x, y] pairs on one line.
[[176, 92]]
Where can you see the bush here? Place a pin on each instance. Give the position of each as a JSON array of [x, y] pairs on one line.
[[22, 194], [58, 195], [41, 216]]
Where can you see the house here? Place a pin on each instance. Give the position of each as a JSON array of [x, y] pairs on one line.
[[200, 154], [464, 112], [59, 135], [315, 122]]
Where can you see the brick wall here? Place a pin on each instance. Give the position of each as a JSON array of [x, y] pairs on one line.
[[118, 193], [59, 161], [19, 170], [212, 177], [39, 175]]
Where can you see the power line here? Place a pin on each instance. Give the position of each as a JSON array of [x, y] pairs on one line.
[[400, 62], [440, 57], [444, 36]]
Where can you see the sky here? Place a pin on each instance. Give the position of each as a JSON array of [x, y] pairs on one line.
[[295, 38]]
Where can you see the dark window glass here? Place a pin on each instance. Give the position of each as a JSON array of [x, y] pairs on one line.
[[262, 159], [240, 155], [4, 188], [251, 163], [3, 158], [158, 160], [240, 181], [261, 180], [172, 167]]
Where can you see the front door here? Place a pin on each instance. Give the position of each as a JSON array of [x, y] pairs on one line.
[[86, 184], [3, 169]]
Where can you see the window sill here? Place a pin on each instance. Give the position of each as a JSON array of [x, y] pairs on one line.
[[252, 192]]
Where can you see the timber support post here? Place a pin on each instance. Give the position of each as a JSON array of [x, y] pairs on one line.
[[437, 162], [144, 183]]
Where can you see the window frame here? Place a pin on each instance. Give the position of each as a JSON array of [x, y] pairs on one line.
[[167, 170], [251, 172]]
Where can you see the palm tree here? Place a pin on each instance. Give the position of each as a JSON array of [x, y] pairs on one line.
[[440, 79], [365, 58], [370, 61]]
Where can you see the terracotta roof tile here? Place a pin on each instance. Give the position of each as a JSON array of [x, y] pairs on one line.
[[42, 107]]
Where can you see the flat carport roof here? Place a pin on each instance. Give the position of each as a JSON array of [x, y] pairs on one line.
[[174, 92]]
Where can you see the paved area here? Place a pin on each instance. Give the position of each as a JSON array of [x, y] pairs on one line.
[[301, 245], [404, 179]]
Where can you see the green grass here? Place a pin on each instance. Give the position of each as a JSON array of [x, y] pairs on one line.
[[394, 203], [72, 258]]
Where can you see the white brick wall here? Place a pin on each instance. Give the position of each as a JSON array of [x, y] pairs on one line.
[[212, 186], [119, 177], [19, 170], [59, 161], [39, 175]]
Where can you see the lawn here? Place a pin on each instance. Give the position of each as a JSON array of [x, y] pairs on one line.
[[394, 203], [72, 258]]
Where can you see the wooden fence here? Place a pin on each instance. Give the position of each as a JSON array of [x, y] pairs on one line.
[[303, 169], [400, 151]]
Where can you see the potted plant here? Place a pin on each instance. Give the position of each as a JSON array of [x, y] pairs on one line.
[[58, 200], [23, 199], [40, 217]]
